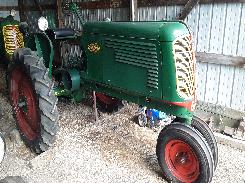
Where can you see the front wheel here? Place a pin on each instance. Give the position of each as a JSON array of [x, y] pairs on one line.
[[183, 155], [207, 133]]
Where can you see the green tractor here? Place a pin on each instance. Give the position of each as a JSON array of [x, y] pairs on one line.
[[148, 63]]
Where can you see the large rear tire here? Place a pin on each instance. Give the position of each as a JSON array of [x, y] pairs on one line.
[[184, 155], [207, 133], [33, 101]]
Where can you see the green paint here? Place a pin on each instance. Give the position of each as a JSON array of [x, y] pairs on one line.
[[73, 76], [38, 47]]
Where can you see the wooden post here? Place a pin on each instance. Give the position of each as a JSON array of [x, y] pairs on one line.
[[59, 13], [133, 10], [95, 107], [21, 10], [187, 9]]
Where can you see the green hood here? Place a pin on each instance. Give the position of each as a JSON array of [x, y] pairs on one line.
[[162, 31]]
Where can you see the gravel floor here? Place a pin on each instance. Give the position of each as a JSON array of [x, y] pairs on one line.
[[113, 150]]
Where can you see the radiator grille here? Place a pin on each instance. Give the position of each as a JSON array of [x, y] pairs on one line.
[[13, 38], [185, 64], [139, 54]]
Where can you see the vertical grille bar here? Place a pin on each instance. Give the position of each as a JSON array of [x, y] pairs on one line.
[[185, 64]]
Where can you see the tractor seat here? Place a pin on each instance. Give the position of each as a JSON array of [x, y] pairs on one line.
[[62, 33]]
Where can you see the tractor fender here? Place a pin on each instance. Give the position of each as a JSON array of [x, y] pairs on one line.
[[41, 43]]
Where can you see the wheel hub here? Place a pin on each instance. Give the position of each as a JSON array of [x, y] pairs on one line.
[[182, 158], [22, 104], [182, 161]]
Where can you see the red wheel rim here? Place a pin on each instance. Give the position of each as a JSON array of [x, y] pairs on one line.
[[24, 103], [105, 99], [182, 161]]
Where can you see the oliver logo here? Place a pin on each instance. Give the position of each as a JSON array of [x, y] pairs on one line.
[[94, 47]]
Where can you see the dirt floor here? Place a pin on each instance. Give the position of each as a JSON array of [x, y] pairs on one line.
[[115, 149]]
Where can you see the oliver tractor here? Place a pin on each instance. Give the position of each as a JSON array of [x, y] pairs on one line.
[[148, 63]]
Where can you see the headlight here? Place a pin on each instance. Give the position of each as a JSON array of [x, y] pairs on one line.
[[43, 24], [12, 12]]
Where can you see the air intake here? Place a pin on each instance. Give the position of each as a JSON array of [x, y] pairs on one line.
[[139, 54]]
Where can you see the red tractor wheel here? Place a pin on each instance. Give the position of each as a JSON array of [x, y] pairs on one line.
[[33, 100], [184, 155], [107, 103]]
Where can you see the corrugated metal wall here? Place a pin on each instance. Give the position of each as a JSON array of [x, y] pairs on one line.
[[217, 28], [9, 3]]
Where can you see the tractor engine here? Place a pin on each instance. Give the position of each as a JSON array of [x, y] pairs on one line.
[[151, 59]]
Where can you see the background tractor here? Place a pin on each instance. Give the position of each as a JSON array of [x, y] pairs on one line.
[[149, 63]]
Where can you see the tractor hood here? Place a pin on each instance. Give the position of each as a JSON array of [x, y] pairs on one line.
[[161, 31]]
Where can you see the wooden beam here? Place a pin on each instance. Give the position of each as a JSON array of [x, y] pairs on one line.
[[187, 9], [59, 13], [145, 3], [21, 11], [43, 7], [8, 8], [28, 8], [104, 4], [221, 59]]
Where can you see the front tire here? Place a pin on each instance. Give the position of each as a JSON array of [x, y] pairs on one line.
[[33, 100], [207, 133], [184, 155]]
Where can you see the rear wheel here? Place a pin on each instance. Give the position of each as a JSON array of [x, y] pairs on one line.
[[107, 103], [33, 100], [184, 155], [207, 133]]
